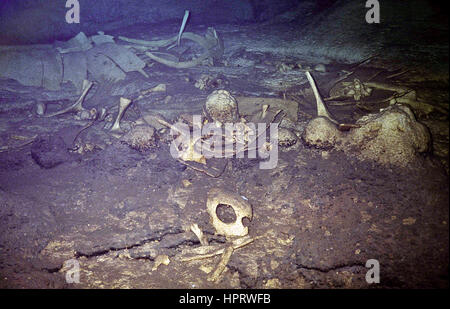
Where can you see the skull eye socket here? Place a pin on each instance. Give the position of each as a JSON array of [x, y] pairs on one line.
[[246, 221], [226, 213]]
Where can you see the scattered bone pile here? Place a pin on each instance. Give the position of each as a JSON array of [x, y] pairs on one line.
[[52, 65]]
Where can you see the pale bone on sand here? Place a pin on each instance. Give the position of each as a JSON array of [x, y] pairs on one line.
[[242, 209], [321, 108], [226, 256], [123, 105], [78, 105], [226, 250], [206, 252]]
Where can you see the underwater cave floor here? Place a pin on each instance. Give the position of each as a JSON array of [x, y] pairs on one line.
[[317, 217]]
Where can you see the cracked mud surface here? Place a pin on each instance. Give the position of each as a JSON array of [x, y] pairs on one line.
[[319, 215]]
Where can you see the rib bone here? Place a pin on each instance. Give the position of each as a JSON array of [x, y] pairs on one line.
[[178, 65]]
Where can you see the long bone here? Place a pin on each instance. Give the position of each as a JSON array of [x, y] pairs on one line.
[[183, 25], [321, 108], [179, 65], [123, 104], [226, 255], [150, 44], [78, 105]]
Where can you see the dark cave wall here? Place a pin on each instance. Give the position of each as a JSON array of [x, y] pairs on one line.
[[40, 21]]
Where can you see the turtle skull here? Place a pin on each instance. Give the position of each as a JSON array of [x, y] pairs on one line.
[[241, 207]]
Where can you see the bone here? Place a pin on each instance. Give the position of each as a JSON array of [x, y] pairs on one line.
[[206, 252], [40, 109], [78, 105], [206, 42], [199, 233], [10, 148], [164, 43], [123, 104], [241, 207], [183, 25], [150, 44], [102, 114], [179, 65], [222, 264], [321, 108], [160, 260], [265, 107], [157, 88]]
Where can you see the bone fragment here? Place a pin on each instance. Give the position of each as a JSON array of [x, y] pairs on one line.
[[102, 114], [265, 107], [160, 260], [40, 109], [157, 88]]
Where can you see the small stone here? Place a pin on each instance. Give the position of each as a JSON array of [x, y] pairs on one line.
[[40, 109], [274, 264], [159, 88], [409, 221], [83, 115], [186, 183], [235, 281], [160, 259], [273, 284], [320, 68], [206, 268]]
